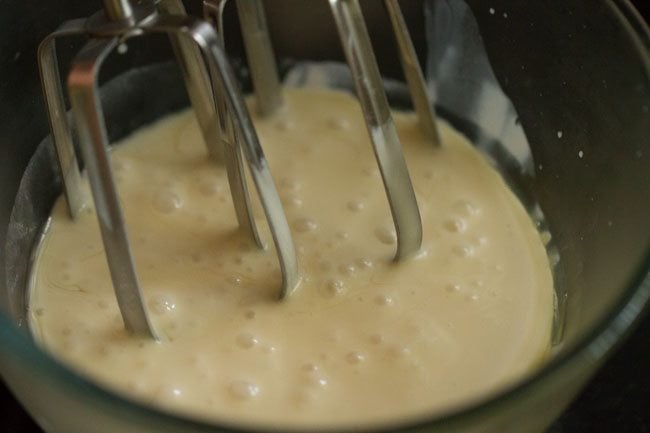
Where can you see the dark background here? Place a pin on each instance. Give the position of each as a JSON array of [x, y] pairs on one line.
[[617, 400]]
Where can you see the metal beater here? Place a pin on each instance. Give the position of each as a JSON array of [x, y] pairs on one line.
[[222, 115]]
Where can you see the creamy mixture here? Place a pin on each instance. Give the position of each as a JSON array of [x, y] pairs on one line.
[[363, 340]]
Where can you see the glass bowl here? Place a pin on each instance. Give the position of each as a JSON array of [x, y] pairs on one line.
[[558, 94]]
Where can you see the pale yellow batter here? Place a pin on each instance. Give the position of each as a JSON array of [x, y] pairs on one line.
[[362, 340]]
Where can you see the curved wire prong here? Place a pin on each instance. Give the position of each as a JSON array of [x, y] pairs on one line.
[[91, 128], [257, 163], [212, 115], [387, 147], [223, 77], [57, 115]]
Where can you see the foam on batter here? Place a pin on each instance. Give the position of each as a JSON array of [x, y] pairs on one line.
[[363, 340]]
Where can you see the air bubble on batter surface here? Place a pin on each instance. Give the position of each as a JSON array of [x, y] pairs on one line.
[[464, 251], [339, 124], [247, 340], [481, 241], [167, 201], [309, 367], [243, 390], [384, 300], [170, 392], [342, 235], [478, 283], [234, 280], [316, 379], [210, 187], [386, 235], [466, 208], [455, 225], [398, 351], [305, 225], [356, 205], [364, 263], [292, 201], [334, 288], [162, 304], [270, 349], [347, 269], [355, 357]]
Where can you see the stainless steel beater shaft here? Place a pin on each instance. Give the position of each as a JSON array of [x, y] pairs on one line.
[[129, 21], [383, 134], [358, 50], [413, 73], [213, 13], [259, 52], [84, 98], [222, 143], [261, 61]]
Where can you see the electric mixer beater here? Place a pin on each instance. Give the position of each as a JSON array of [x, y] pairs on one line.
[[224, 121]]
